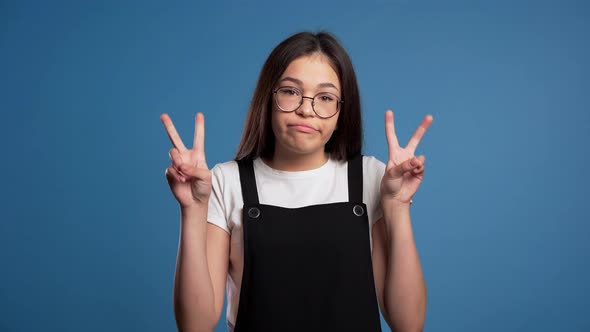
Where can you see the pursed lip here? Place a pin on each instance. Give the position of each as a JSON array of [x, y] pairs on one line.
[[302, 125]]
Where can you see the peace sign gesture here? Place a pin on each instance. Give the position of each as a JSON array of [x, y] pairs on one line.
[[188, 176], [404, 171]]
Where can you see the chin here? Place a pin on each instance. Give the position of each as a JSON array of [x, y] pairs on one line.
[[299, 144], [303, 149]]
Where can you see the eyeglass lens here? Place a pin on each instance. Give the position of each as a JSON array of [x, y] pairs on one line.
[[325, 104]]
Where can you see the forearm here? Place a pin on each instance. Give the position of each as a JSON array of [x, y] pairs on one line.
[[405, 289], [193, 290]]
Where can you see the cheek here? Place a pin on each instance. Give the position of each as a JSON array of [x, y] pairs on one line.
[[333, 125], [330, 135], [276, 121]]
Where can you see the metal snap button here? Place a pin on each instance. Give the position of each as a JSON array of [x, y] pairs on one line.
[[253, 212], [358, 210]]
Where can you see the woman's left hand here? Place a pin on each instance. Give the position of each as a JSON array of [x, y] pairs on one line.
[[404, 171]]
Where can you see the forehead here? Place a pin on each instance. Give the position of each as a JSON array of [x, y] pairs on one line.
[[312, 70]]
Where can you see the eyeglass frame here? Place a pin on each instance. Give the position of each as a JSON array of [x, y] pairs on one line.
[[339, 103]]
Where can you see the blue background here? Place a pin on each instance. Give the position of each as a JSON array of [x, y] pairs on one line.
[[89, 228]]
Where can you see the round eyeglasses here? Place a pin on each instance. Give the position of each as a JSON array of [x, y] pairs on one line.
[[325, 104]]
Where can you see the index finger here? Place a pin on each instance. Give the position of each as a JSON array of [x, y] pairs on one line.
[[390, 133], [172, 133], [419, 133]]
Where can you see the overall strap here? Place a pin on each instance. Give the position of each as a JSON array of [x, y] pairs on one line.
[[248, 181], [355, 179]]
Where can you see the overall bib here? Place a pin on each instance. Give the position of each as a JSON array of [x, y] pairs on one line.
[[308, 268]]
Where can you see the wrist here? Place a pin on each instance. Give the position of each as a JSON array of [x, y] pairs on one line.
[[395, 204], [395, 211], [194, 207]]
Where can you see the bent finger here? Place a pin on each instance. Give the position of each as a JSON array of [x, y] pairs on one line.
[[193, 172], [173, 174], [404, 167]]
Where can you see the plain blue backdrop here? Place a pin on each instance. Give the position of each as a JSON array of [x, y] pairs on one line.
[[89, 228]]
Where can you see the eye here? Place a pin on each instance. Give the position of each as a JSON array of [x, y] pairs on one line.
[[287, 91], [326, 97]]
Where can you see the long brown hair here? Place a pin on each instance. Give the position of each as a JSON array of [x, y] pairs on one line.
[[258, 138]]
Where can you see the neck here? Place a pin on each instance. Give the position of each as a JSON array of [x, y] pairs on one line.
[[293, 162]]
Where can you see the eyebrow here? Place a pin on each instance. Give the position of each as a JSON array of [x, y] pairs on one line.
[[321, 85]]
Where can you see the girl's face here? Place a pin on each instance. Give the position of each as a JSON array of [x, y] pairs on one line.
[[302, 131]]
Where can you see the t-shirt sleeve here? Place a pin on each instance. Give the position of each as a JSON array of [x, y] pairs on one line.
[[373, 170], [217, 211]]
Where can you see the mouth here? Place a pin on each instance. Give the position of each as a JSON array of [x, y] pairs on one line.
[[302, 127]]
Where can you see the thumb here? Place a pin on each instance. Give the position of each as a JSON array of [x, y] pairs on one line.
[[398, 170], [194, 172]]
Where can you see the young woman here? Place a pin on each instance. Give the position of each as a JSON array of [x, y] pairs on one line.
[[302, 231]]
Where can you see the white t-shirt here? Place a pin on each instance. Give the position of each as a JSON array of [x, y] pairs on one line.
[[323, 185]]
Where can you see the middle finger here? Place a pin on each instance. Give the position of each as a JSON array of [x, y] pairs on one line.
[[419, 133]]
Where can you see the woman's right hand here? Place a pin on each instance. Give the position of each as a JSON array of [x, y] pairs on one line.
[[188, 176]]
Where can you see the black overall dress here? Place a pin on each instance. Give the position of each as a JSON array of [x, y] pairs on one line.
[[308, 268]]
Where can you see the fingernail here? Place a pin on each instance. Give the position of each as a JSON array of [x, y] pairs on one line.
[[414, 162]]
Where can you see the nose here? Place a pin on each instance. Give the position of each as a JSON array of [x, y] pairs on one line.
[[306, 108]]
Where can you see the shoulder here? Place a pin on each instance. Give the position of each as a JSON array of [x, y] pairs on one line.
[[227, 168], [225, 174], [373, 170], [372, 164]]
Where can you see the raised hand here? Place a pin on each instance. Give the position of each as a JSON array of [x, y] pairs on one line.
[[188, 176], [404, 171]]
